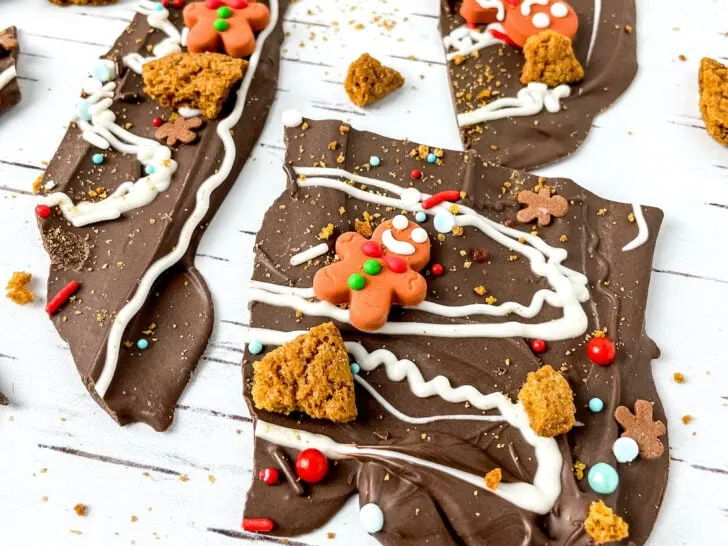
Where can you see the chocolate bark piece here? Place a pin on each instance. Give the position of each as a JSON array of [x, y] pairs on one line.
[[605, 45], [9, 50], [115, 260], [420, 504]]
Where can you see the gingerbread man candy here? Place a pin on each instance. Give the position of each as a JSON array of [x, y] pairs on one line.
[[225, 24], [526, 18], [482, 12], [372, 275]]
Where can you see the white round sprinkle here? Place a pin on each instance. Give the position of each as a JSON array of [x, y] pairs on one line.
[[371, 518], [559, 9], [400, 222], [292, 118], [541, 20], [625, 450], [418, 235], [444, 222], [410, 196]]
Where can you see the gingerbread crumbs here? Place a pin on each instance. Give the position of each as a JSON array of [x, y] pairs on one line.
[[368, 80], [310, 374], [603, 525], [713, 79], [549, 402], [17, 288], [493, 479], [550, 59], [194, 80]]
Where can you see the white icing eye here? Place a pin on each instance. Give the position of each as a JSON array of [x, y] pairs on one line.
[[418, 235], [541, 20], [400, 222], [410, 196], [559, 9]]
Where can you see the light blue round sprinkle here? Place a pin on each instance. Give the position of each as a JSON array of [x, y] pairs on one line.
[[255, 347], [83, 112], [159, 6], [603, 478], [420, 217], [98, 159], [102, 73], [142, 344], [355, 368], [431, 158], [149, 169], [444, 222], [625, 450], [374, 161], [596, 405]]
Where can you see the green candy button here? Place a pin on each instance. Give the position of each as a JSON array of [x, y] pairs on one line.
[[356, 281], [221, 25], [224, 12], [372, 267]]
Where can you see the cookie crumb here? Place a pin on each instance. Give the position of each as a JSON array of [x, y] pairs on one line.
[[549, 402], [713, 80], [687, 419], [17, 288], [326, 232], [80, 510], [678, 378], [550, 59], [368, 80], [603, 525], [579, 469], [363, 228], [493, 479]]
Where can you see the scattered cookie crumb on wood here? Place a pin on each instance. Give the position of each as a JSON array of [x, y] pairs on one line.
[[17, 288]]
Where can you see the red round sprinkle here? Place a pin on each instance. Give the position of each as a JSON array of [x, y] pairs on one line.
[[538, 345], [601, 351], [178, 3], [372, 249], [62, 297], [165, 3], [437, 270], [42, 211], [157, 121], [258, 525], [416, 174], [311, 465], [441, 197], [396, 265], [213, 4], [269, 476]]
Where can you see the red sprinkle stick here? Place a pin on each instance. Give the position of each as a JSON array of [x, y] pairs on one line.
[[258, 525], [447, 195], [62, 297]]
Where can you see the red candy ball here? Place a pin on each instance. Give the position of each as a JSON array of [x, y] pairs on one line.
[[157, 121], [437, 270], [416, 174], [538, 345], [601, 351], [311, 465], [269, 476], [42, 211], [178, 3], [372, 249]]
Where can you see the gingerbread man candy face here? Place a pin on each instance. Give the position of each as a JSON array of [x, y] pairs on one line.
[[372, 275]]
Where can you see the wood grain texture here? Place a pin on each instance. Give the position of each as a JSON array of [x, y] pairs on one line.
[[650, 146]]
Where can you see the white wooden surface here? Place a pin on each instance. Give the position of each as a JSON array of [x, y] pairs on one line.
[[649, 147]]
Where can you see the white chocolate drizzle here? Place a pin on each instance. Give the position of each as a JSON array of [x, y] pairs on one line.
[[309, 254], [157, 17], [6, 76], [202, 205], [528, 4], [463, 40], [595, 30], [529, 101], [643, 232]]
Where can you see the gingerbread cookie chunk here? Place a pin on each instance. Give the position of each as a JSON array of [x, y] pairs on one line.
[[138, 177], [9, 49], [713, 79], [478, 339], [528, 76]]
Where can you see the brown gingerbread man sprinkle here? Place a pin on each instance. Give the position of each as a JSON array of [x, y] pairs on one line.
[[541, 205], [180, 130], [374, 274], [641, 428]]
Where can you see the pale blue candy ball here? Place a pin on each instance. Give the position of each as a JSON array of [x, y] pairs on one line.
[[603, 478], [98, 159], [355, 368], [142, 344], [102, 73], [255, 347], [149, 169], [444, 222], [83, 112], [625, 450], [371, 518], [596, 405], [374, 161], [420, 217], [431, 158]]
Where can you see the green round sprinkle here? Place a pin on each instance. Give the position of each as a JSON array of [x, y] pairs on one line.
[[224, 12], [372, 267], [221, 25], [356, 281]]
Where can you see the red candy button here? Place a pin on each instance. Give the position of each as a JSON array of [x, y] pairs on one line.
[[397, 265], [311, 465], [372, 249], [258, 525], [157, 121], [269, 476], [42, 211], [538, 345], [416, 174], [437, 270], [601, 351]]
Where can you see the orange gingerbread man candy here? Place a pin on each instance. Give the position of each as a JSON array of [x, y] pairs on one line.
[[525, 18], [373, 274], [225, 24], [482, 12]]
